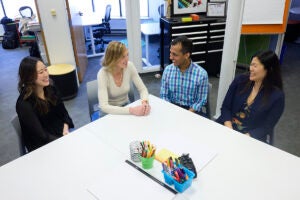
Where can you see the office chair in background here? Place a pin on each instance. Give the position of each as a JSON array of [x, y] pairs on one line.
[[161, 10], [101, 29]]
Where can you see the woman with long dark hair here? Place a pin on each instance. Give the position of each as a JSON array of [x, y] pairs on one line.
[[255, 101], [42, 114]]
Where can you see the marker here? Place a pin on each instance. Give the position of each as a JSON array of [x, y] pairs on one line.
[[171, 163]]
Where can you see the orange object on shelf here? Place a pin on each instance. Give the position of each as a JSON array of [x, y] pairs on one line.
[[195, 17]]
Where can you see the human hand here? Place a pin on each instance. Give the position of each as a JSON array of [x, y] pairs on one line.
[[192, 110], [137, 110], [147, 109], [66, 129], [228, 124]]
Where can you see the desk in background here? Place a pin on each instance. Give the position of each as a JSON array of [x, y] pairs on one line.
[[149, 29], [88, 21], [207, 35], [77, 165]]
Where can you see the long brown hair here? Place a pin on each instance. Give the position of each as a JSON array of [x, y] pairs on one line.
[[27, 86]]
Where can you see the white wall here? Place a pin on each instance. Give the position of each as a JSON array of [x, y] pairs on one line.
[[133, 33], [230, 49], [56, 31]]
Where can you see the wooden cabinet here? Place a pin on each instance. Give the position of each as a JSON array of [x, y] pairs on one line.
[[207, 35]]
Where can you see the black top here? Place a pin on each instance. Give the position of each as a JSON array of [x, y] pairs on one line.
[[39, 129]]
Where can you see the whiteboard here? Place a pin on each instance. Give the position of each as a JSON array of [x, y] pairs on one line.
[[263, 12]]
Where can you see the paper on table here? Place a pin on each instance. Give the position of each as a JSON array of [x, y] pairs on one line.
[[200, 154], [126, 182]]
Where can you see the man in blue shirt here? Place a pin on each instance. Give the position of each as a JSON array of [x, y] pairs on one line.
[[184, 83]]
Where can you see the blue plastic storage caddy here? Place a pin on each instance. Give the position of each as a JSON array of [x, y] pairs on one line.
[[180, 187]]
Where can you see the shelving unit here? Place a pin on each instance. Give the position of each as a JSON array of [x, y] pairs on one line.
[[207, 35]]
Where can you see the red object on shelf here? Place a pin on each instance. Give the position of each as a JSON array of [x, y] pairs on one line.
[[195, 17]]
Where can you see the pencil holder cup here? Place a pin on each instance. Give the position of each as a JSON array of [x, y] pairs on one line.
[[147, 163], [180, 187], [135, 151]]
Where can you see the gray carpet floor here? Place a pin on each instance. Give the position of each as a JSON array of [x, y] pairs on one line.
[[287, 135]]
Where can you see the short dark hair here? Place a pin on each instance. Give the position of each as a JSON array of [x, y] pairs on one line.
[[186, 44]]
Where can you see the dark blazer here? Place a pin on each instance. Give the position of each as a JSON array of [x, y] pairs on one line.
[[264, 115]]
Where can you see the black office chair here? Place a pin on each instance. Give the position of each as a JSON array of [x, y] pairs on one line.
[[161, 8], [101, 29]]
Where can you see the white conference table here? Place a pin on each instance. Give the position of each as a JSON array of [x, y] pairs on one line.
[[90, 162], [89, 20], [149, 29]]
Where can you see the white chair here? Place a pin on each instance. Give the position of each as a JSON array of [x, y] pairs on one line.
[[92, 93], [16, 124]]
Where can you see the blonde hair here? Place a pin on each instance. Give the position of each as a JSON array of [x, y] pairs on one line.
[[113, 53]]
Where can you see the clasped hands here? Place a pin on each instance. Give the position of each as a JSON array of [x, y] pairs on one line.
[[141, 110]]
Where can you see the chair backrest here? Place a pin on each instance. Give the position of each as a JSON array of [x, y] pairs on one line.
[[161, 8], [107, 13], [206, 108], [92, 93], [16, 125], [26, 12], [270, 139]]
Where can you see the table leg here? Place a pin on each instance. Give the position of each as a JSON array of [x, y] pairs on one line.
[[146, 61], [92, 39]]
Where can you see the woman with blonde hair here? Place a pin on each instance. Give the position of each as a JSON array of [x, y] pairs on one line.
[[114, 80]]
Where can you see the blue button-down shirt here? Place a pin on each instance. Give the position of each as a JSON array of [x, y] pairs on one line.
[[189, 88]]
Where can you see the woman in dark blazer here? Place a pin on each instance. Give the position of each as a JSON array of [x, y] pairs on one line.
[[255, 102]]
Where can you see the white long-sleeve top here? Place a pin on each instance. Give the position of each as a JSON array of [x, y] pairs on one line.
[[112, 97]]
